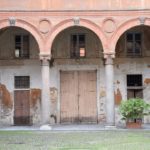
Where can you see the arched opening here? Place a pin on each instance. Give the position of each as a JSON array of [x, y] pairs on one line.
[[134, 43], [76, 43], [16, 42], [132, 63], [77, 54], [19, 54], [83, 23]]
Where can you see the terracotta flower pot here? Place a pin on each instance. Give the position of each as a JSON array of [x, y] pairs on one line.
[[134, 125]]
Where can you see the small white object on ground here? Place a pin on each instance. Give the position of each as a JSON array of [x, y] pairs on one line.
[[46, 127]]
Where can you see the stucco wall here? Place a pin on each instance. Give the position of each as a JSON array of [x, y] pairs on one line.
[[122, 66], [7, 73], [74, 4]]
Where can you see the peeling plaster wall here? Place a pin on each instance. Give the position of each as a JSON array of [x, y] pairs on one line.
[[7, 73], [55, 84], [10, 67], [33, 69], [93, 61], [35, 105], [136, 65], [122, 67], [6, 104]]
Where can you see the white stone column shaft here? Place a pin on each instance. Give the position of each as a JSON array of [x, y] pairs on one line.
[[45, 102], [110, 106]]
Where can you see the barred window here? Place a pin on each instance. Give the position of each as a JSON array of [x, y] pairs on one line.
[[134, 44], [78, 46], [22, 46], [134, 86], [22, 82], [134, 80]]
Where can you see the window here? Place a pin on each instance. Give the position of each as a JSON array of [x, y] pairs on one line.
[[22, 82], [134, 44], [78, 46], [22, 46], [134, 86], [134, 80]]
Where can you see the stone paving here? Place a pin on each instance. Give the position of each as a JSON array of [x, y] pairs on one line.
[[68, 128]]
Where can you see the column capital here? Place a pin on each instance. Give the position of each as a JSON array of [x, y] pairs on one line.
[[109, 55], [45, 58], [109, 58]]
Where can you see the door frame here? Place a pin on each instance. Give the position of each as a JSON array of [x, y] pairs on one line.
[[81, 68]]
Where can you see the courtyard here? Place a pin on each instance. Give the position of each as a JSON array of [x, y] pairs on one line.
[[75, 140]]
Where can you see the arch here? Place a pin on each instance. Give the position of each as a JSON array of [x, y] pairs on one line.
[[122, 29], [26, 26], [69, 23]]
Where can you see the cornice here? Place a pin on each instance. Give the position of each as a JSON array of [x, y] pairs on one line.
[[96, 13]]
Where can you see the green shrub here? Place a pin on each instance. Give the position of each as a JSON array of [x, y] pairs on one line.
[[134, 109]]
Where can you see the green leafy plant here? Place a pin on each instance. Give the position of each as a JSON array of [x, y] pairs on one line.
[[134, 109]]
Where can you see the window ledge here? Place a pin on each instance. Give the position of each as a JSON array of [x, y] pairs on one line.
[[135, 87]]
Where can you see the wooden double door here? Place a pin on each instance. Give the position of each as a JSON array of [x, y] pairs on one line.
[[78, 97], [22, 107]]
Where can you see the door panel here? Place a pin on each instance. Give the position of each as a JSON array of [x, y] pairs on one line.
[[87, 96], [78, 96], [130, 93], [139, 93], [21, 107], [69, 104], [135, 93]]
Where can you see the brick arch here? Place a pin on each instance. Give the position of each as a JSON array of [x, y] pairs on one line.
[[70, 23], [122, 29], [26, 26]]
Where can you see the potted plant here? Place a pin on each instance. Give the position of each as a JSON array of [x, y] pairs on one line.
[[133, 111]]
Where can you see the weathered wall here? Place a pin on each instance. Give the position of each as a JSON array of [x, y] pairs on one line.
[[74, 4], [10, 67], [7, 74], [62, 61], [35, 105], [136, 65], [6, 104], [123, 66]]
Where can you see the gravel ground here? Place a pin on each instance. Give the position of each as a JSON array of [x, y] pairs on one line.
[[68, 140]]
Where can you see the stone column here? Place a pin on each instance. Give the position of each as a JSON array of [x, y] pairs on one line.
[[45, 102], [110, 105]]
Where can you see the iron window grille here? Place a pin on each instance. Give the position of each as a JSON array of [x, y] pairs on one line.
[[134, 80], [22, 46], [134, 44], [78, 48], [22, 82], [134, 86]]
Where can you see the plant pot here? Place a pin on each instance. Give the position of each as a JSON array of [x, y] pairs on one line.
[[134, 125]]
